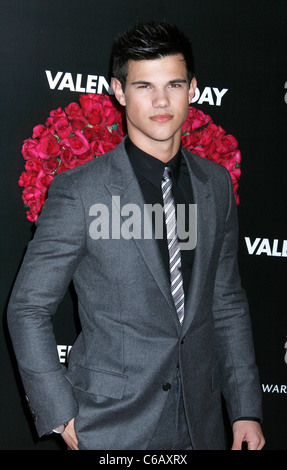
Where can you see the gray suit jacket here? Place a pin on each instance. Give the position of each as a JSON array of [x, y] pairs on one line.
[[131, 341]]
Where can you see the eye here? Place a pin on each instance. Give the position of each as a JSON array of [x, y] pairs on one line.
[[144, 86]]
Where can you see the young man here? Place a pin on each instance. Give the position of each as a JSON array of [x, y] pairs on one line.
[[150, 365]]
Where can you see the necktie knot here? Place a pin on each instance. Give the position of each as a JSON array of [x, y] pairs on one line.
[[166, 173]]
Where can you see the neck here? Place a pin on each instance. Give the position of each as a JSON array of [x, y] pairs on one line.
[[162, 150]]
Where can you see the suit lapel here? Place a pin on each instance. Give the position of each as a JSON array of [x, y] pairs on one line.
[[201, 186]]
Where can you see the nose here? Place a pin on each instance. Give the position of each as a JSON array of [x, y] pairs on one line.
[[160, 99]]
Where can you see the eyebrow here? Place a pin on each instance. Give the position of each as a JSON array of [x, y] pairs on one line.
[[143, 82]]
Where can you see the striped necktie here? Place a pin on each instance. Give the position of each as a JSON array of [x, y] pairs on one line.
[[173, 244]]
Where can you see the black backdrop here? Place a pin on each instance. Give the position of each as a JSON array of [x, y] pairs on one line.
[[240, 47]]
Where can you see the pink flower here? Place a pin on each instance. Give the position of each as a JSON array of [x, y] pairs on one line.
[[73, 110], [56, 113], [29, 149], [91, 133], [34, 165], [62, 127], [48, 147], [197, 118], [78, 123], [50, 166], [28, 178], [77, 143], [43, 182], [88, 101], [67, 157], [39, 131]]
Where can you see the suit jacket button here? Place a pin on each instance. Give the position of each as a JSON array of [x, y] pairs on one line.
[[183, 340], [166, 387]]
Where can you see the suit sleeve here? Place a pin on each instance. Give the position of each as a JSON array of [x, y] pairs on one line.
[[51, 258], [234, 341]]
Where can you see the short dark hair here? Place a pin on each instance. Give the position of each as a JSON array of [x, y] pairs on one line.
[[149, 41]]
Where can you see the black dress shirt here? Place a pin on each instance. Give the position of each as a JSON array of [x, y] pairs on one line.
[[149, 172]]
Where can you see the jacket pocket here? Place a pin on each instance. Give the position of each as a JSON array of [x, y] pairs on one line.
[[98, 382]]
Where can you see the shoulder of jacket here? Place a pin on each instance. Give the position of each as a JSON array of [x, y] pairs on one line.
[[205, 164], [95, 168]]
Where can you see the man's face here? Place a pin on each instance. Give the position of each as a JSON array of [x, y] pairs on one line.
[[156, 97]]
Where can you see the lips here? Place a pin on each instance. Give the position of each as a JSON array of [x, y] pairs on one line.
[[161, 117]]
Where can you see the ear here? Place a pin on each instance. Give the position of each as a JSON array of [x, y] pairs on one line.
[[118, 91], [192, 88]]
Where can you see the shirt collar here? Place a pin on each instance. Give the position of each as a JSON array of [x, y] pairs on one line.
[[149, 167]]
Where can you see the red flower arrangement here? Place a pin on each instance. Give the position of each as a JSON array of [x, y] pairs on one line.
[[81, 132]]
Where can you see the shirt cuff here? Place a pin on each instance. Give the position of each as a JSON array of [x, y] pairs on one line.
[[247, 418]]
